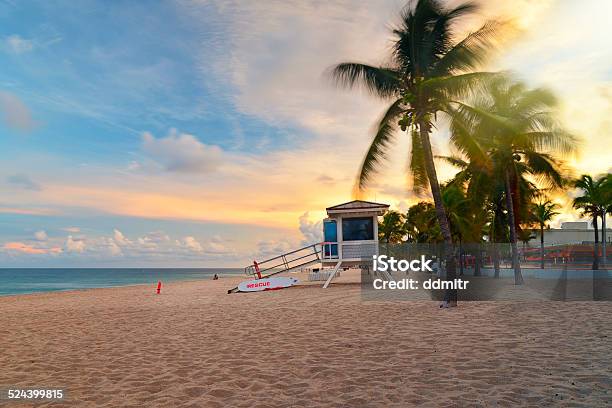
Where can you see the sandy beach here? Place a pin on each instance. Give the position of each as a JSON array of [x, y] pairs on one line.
[[196, 346]]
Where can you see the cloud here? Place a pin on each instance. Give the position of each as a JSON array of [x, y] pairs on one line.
[[181, 152], [26, 211], [214, 246], [158, 243], [72, 229], [271, 247], [156, 236], [114, 249], [190, 243], [74, 245], [312, 231], [154, 247], [119, 238], [217, 246], [280, 50], [29, 249], [17, 44], [15, 113], [326, 179], [23, 181], [153, 239], [40, 235]]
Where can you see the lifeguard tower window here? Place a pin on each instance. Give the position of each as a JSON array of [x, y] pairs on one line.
[[358, 229]]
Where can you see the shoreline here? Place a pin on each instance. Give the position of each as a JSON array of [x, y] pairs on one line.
[[152, 285], [89, 286]]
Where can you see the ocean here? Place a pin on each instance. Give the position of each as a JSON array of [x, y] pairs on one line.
[[15, 281]]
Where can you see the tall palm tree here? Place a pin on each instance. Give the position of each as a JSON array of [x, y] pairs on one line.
[[512, 132], [428, 67], [543, 212], [593, 202], [392, 229]]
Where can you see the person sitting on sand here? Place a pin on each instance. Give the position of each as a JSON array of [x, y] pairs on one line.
[[216, 277]]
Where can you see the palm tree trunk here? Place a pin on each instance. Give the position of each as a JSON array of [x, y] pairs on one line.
[[603, 237], [478, 260], [596, 246], [496, 267], [496, 240], [461, 271], [435, 186], [541, 246], [451, 295], [518, 277]]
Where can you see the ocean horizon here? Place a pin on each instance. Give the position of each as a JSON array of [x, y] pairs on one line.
[[20, 281]]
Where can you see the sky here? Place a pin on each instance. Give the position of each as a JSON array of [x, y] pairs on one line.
[[206, 133]]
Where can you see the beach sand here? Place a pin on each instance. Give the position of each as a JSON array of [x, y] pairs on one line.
[[196, 346]]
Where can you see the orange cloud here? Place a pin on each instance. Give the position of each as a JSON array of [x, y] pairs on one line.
[[29, 249], [26, 211]]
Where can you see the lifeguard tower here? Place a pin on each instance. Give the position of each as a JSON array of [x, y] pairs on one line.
[[350, 234]]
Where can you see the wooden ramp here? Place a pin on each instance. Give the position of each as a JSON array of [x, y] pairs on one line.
[[286, 262]]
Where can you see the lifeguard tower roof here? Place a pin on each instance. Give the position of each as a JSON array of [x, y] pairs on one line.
[[357, 206]]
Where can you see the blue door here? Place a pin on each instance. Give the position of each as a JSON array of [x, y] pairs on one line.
[[330, 234]]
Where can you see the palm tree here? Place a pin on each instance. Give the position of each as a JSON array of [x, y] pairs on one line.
[[392, 229], [525, 235], [427, 68], [421, 224], [593, 203], [486, 197], [543, 212], [455, 206], [511, 132]]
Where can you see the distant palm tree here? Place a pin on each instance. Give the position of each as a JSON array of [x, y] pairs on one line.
[[421, 224], [511, 132], [593, 203], [428, 68], [392, 229], [543, 212], [525, 235]]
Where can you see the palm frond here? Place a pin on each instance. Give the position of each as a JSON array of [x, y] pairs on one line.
[[454, 161], [535, 100], [379, 81], [470, 53], [482, 116], [463, 138], [548, 170], [557, 140], [384, 136], [459, 86]]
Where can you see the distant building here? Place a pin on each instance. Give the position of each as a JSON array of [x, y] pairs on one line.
[[578, 225], [569, 233]]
